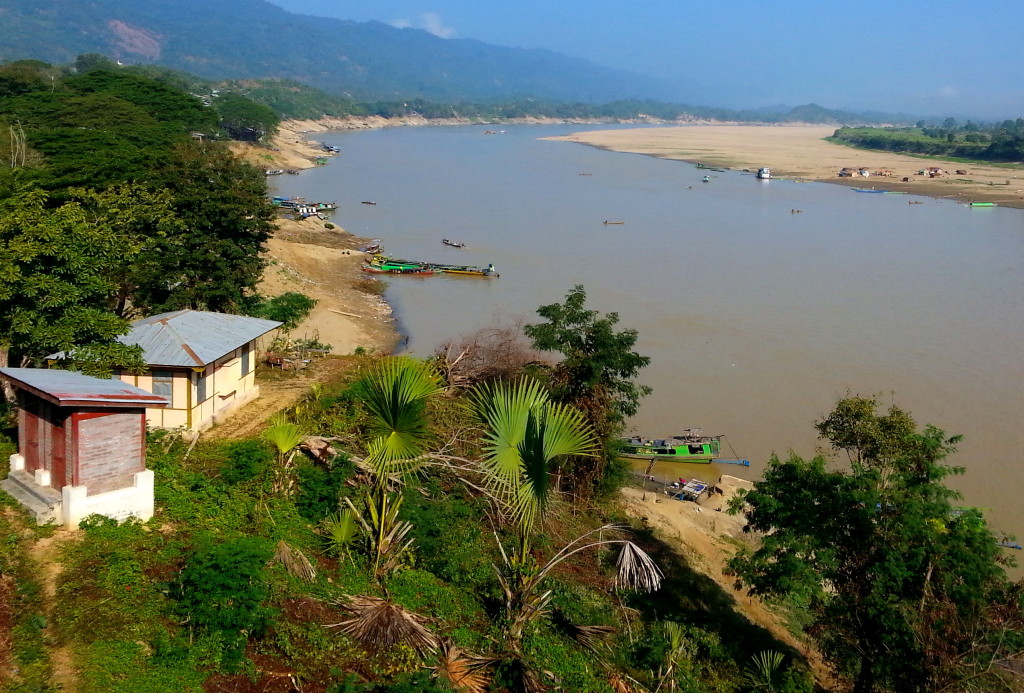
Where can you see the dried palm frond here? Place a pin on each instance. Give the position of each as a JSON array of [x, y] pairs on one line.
[[590, 637], [637, 570], [380, 624], [619, 683], [462, 670], [295, 562]]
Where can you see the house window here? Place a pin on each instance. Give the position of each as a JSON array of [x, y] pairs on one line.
[[201, 387], [245, 360], [163, 385]]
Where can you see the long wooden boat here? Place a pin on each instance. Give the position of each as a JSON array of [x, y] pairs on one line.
[[464, 270], [405, 271], [691, 446], [467, 271]]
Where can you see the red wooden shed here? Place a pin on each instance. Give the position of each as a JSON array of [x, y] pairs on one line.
[[81, 446]]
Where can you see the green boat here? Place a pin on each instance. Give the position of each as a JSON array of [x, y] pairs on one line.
[[691, 446]]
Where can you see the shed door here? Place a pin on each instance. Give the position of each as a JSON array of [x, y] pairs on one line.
[[31, 431], [58, 450]]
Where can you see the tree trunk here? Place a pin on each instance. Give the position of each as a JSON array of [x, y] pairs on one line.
[[5, 385], [865, 682]]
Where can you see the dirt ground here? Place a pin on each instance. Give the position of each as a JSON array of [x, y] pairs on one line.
[[800, 152], [708, 537]]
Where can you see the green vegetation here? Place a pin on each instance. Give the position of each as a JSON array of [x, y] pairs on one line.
[[907, 591], [595, 375], [85, 248], [1002, 142]]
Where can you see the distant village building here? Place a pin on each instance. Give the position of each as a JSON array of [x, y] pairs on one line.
[[203, 363], [81, 446]]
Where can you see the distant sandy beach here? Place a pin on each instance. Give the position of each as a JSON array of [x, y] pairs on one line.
[[799, 152]]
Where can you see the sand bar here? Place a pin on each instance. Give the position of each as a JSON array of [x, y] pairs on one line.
[[799, 152]]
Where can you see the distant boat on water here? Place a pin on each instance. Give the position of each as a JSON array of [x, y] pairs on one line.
[[606, 222], [764, 173], [453, 244]]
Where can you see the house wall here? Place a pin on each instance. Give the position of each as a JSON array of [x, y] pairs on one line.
[[110, 448], [226, 389]]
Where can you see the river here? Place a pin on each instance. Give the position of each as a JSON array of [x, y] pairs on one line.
[[756, 318]]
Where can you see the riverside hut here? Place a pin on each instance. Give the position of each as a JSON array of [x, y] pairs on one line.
[[202, 363]]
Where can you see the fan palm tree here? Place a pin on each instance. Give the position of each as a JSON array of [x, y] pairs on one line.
[[285, 436], [395, 393], [525, 432]]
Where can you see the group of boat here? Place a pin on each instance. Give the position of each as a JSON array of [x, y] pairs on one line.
[[382, 264]]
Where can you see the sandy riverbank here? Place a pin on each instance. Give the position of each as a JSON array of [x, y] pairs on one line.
[[799, 152], [324, 265]]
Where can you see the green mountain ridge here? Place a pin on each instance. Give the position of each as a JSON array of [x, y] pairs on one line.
[[243, 39]]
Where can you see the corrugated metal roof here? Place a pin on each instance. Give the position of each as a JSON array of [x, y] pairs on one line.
[[71, 387], [193, 337]]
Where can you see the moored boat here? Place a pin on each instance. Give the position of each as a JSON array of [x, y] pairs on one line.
[[691, 446], [400, 269], [764, 173], [465, 270]]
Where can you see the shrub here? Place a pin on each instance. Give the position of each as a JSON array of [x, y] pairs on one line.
[[320, 488], [289, 308], [222, 590], [246, 460]]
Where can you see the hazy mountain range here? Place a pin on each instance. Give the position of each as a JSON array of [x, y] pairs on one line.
[[238, 39]]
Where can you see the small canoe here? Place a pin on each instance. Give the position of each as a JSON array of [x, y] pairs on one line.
[[983, 204], [613, 222]]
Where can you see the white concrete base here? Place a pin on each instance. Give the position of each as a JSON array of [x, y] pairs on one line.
[[135, 501]]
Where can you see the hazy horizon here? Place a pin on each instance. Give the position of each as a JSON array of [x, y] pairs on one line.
[[937, 59]]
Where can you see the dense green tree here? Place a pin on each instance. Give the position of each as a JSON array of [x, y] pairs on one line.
[[214, 261], [907, 592], [244, 119], [596, 373], [56, 284]]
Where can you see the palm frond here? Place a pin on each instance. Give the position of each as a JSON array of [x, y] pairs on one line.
[[637, 570], [339, 530], [284, 435], [395, 393], [294, 561], [590, 637], [379, 624], [462, 670], [524, 432]]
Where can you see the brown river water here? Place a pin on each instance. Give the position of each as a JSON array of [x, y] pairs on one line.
[[757, 319]]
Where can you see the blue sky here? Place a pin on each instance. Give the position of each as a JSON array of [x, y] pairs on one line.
[[929, 58]]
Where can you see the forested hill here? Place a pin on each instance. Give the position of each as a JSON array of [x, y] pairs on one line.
[[252, 38]]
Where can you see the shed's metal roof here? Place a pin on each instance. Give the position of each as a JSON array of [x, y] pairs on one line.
[[67, 388], [193, 337]]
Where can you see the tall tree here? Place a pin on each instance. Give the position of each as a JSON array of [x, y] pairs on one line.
[[596, 373], [56, 285], [214, 261], [907, 592]]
